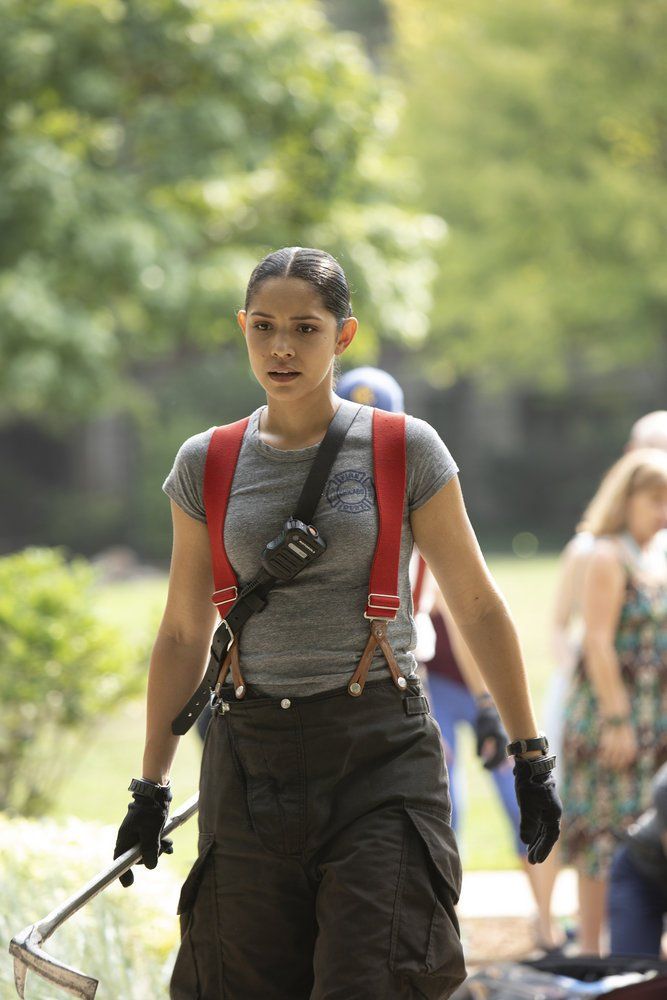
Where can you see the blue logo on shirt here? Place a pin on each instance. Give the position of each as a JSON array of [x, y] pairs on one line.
[[351, 490]]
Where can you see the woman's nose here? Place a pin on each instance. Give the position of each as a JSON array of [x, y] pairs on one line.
[[282, 348]]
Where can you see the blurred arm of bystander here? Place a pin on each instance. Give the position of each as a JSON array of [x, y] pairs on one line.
[[566, 604], [604, 589]]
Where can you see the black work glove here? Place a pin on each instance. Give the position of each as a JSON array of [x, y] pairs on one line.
[[143, 825], [487, 726], [540, 810]]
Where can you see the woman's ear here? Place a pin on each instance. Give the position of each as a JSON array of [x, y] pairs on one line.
[[346, 334], [242, 319]]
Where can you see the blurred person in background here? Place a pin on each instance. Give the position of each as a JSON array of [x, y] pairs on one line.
[[637, 903], [459, 697], [615, 732], [457, 691], [650, 431]]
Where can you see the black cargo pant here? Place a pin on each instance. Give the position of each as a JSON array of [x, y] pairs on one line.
[[327, 866]]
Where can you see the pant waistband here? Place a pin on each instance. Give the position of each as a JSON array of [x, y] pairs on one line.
[[413, 698]]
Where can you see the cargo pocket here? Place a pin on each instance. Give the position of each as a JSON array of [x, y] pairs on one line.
[[197, 973], [425, 942]]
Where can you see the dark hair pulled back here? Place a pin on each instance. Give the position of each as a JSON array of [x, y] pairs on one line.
[[317, 267]]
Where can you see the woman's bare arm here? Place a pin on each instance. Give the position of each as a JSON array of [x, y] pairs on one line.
[[464, 659], [604, 590], [568, 589], [180, 653], [445, 537]]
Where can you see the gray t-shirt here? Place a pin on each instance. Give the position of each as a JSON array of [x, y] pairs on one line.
[[312, 633]]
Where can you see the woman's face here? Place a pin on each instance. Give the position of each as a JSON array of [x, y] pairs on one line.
[[292, 338], [647, 513]]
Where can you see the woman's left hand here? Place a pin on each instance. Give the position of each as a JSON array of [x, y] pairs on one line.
[[540, 810], [618, 746]]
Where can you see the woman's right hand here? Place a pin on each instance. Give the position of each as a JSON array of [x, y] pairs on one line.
[[145, 820], [618, 746]]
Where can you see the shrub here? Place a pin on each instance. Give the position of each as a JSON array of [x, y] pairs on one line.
[[125, 938], [62, 666]]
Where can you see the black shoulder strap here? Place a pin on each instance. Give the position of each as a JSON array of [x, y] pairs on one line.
[[323, 462]]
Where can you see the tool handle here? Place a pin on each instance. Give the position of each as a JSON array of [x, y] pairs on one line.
[[60, 914]]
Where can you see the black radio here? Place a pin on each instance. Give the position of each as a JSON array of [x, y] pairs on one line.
[[296, 546]]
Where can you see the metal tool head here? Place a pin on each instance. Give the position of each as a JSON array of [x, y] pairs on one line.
[[28, 954], [26, 946]]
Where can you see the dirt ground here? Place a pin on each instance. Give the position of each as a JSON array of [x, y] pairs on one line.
[[488, 939]]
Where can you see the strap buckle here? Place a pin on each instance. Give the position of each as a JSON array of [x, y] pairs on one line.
[[218, 600], [382, 602], [229, 633]]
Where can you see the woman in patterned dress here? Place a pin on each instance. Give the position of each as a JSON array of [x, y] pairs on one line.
[[615, 736]]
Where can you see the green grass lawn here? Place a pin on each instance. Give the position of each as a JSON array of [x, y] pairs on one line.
[[96, 786]]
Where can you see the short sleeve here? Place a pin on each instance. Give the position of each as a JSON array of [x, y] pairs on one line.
[[185, 483], [430, 465]]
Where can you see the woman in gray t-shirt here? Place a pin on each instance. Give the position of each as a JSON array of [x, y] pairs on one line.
[[327, 865]]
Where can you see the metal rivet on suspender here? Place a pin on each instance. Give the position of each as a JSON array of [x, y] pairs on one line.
[[240, 691], [355, 689], [285, 703], [402, 683]]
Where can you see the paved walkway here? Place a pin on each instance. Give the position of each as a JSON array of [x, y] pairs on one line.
[[507, 894]]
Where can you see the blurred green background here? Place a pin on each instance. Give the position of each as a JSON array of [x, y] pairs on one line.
[[493, 178]]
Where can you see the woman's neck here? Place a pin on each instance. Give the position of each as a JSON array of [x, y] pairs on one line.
[[294, 424], [638, 542], [648, 557]]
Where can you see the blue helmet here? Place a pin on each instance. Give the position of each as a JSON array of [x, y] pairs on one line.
[[373, 387]]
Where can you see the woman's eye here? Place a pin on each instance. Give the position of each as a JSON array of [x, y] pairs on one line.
[[304, 328], [261, 326]]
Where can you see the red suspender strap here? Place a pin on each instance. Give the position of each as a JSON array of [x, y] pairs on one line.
[[221, 459], [419, 583], [390, 473]]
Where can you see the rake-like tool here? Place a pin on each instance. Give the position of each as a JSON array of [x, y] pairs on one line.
[[26, 946]]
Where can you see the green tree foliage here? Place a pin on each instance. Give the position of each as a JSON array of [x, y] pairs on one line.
[[151, 151], [62, 667], [540, 126]]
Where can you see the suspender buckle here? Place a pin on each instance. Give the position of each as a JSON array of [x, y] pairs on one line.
[[218, 599], [387, 604]]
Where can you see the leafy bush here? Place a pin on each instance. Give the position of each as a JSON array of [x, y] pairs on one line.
[[125, 938], [62, 667]]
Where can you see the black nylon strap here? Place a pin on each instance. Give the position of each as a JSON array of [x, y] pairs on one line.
[[536, 765], [534, 743], [254, 597], [323, 462]]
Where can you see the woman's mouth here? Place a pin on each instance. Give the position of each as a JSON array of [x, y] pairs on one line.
[[279, 376]]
